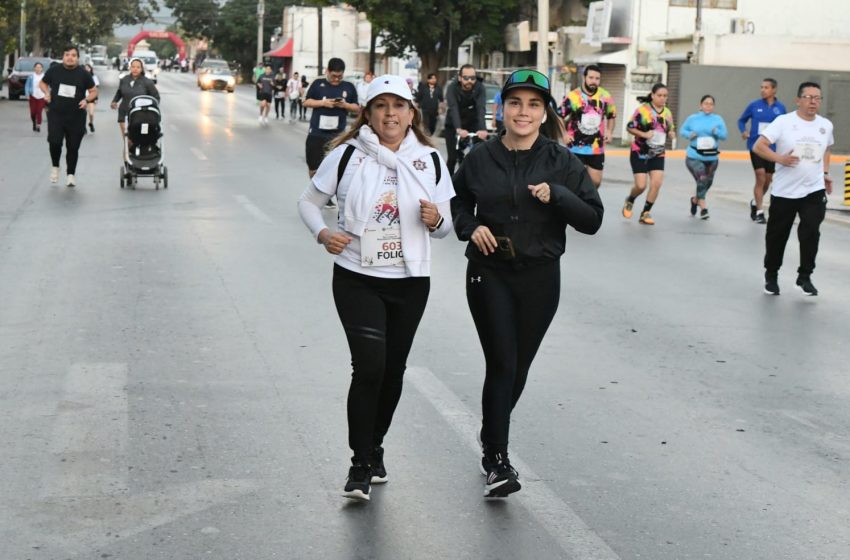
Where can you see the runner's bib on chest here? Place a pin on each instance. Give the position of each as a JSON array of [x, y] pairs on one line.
[[381, 246], [706, 143], [328, 122], [658, 138], [590, 122], [809, 152], [66, 90]]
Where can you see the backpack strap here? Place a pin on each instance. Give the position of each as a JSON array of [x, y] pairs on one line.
[[437, 170], [343, 162]]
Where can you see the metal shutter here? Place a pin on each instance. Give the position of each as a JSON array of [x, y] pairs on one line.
[[614, 80]]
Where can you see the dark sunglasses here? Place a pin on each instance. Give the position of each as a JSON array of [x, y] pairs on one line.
[[529, 76], [469, 78]]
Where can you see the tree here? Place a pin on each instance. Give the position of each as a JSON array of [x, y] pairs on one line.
[[53, 25], [197, 18], [426, 26], [236, 32]]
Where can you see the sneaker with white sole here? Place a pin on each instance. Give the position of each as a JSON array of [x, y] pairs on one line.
[[71, 181], [502, 478], [804, 284], [54, 174], [376, 463], [359, 483]]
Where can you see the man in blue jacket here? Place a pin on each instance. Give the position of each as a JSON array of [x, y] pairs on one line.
[[760, 113]]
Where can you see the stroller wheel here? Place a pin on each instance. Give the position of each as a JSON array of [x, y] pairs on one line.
[[121, 181], [164, 177]]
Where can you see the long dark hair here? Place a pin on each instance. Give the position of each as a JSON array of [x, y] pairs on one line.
[[362, 119], [553, 128], [648, 98]]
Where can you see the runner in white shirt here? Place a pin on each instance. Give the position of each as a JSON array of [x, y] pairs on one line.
[[800, 185], [293, 94]]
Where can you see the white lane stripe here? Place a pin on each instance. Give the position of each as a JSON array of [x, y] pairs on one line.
[[198, 153], [561, 522], [89, 443], [252, 209]]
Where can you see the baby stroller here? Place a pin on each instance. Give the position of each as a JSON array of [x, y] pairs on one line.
[[143, 143]]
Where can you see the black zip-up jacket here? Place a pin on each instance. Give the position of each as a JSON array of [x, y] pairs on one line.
[[466, 109], [491, 189]]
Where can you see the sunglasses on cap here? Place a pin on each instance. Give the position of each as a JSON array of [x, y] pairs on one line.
[[528, 77]]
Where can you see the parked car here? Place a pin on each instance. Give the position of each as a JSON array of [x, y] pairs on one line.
[[492, 90], [23, 70], [215, 73]]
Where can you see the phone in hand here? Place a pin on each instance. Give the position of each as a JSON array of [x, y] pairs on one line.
[[505, 247], [338, 100]]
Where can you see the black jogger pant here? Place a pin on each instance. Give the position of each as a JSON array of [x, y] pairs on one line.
[[512, 310], [812, 210], [69, 128], [380, 317], [279, 106], [451, 148]]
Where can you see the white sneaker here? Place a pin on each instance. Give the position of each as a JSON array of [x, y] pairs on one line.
[[54, 174], [265, 120], [71, 181], [260, 119]]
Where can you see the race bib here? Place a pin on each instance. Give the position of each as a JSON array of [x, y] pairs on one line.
[[381, 246], [659, 137], [328, 123], [590, 123], [66, 90], [762, 127], [809, 152], [706, 143]]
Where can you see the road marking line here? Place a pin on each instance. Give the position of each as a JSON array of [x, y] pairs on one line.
[[198, 153], [560, 521], [89, 443], [253, 209]]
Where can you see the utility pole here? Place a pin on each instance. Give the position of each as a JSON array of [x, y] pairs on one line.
[[319, 67], [22, 40], [695, 58], [261, 11], [543, 36]]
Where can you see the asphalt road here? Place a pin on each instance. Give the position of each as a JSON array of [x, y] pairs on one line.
[[173, 374]]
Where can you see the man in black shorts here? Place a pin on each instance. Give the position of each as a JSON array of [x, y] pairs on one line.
[[68, 89], [265, 90], [760, 113], [331, 99], [589, 116]]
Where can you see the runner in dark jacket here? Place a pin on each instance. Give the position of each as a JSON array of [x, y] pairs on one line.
[[516, 195]]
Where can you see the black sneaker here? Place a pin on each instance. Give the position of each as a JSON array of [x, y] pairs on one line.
[[771, 285], [760, 219], [805, 285], [502, 478], [486, 463], [703, 214], [693, 206], [753, 210], [357, 486], [376, 463]]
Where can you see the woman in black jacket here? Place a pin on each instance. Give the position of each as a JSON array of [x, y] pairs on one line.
[[516, 195], [133, 84]]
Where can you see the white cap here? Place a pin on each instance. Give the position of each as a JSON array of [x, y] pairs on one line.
[[388, 84]]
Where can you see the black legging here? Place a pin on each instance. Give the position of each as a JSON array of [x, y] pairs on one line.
[[69, 129], [512, 310], [380, 317], [279, 106]]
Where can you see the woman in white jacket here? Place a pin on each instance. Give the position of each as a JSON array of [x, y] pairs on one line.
[[393, 191]]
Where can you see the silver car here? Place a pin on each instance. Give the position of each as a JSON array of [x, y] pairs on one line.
[[216, 74]]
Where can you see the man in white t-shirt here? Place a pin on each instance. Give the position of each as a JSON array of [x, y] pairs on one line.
[[800, 185]]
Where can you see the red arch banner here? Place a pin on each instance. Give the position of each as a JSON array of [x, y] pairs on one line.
[[178, 42]]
